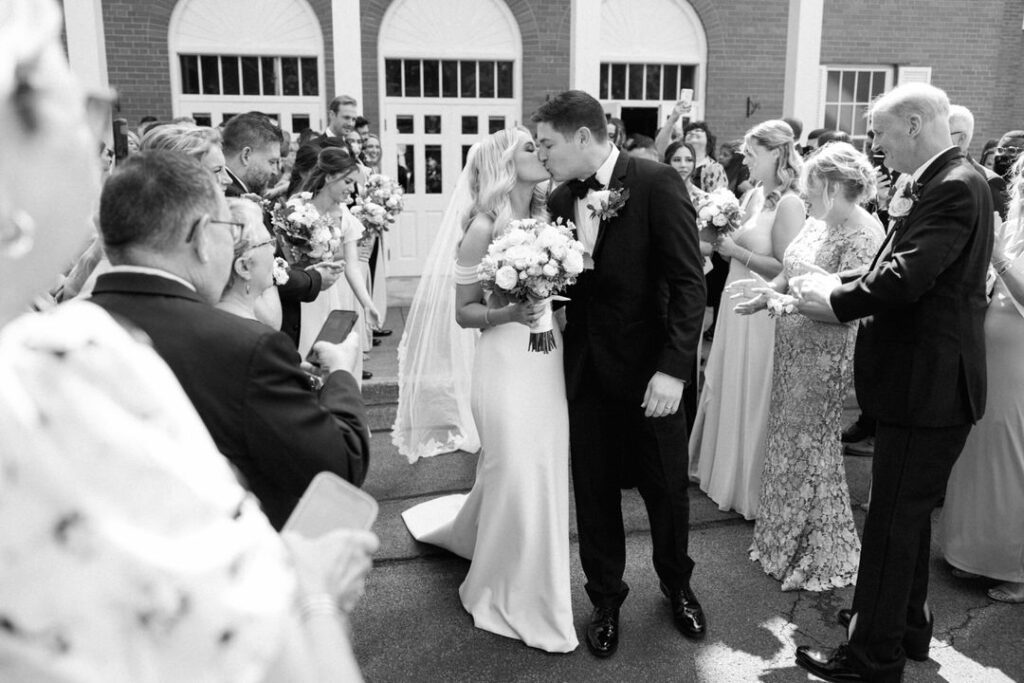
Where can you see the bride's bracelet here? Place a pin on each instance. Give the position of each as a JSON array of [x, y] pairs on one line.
[[750, 254], [487, 313], [320, 604]]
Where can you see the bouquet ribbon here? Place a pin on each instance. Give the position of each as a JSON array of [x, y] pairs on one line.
[[542, 337]]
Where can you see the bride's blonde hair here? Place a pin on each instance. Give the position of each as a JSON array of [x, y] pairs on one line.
[[492, 176]]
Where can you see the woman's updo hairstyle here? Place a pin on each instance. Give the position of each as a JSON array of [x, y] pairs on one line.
[[776, 134], [330, 161], [840, 164], [195, 141]]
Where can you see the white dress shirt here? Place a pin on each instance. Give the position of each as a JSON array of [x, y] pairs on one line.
[[586, 224]]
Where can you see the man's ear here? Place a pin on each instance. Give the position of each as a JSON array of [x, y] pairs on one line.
[[583, 136], [243, 267], [915, 124], [201, 241], [245, 155]]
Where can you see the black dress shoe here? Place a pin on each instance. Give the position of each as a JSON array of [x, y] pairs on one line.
[[687, 613], [855, 433], [382, 333], [603, 631], [376, 342], [367, 374], [916, 639], [829, 665]]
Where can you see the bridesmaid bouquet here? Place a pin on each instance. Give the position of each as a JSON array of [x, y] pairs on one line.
[[533, 260], [307, 237], [718, 211], [378, 205]]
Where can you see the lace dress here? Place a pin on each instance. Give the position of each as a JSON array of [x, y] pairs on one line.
[[804, 535]]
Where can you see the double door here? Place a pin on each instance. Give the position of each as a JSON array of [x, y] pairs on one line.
[[425, 148]]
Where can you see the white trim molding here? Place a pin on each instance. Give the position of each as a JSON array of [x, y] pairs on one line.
[[801, 94], [585, 45], [87, 44], [348, 50]]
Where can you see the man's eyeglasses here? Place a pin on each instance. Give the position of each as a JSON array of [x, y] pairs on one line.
[[1009, 151], [236, 228], [260, 244]]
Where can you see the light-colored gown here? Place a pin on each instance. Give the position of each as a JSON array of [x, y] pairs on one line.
[[982, 527], [804, 535], [727, 442], [514, 523]]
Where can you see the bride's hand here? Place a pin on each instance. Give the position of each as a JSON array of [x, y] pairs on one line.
[[726, 247], [524, 312]]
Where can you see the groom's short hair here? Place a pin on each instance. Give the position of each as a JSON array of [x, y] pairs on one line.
[[571, 110]]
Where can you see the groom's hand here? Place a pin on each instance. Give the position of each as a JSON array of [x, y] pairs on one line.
[[663, 395]]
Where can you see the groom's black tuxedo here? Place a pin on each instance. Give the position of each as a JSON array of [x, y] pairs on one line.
[[920, 370], [637, 312], [245, 382]]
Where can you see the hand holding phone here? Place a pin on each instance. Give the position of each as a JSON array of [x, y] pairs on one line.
[[335, 330], [686, 95]]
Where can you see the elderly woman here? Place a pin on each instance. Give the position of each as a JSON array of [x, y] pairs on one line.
[[128, 549], [250, 292], [197, 141]]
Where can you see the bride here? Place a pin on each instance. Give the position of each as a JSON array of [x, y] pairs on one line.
[[514, 524]]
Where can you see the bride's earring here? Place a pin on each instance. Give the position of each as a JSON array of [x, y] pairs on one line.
[[17, 234]]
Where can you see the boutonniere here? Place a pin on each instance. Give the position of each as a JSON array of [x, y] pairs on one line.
[[905, 195], [606, 204]]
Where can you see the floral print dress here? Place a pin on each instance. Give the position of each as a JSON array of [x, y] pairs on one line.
[[804, 535]]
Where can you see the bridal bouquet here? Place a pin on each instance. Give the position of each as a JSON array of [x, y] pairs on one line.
[[378, 205], [718, 211], [307, 236], [533, 260]]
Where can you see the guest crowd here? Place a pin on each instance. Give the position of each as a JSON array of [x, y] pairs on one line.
[[183, 358]]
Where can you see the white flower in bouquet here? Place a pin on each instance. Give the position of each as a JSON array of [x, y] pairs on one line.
[[719, 211], [306, 236], [506, 278], [573, 262], [280, 271]]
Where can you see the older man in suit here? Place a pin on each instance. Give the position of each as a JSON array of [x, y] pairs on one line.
[[167, 231], [919, 370], [961, 129]]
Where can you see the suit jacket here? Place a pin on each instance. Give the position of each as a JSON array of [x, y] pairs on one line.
[[996, 185], [302, 285], [920, 362], [640, 309], [245, 382]]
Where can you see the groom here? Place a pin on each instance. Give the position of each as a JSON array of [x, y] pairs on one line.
[[631, 338]]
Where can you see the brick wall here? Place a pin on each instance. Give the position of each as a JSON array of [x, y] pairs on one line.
[[139, 64], [974, 49], [543, 27]]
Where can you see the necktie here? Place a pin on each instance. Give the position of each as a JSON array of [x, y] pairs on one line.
[[579, 188]]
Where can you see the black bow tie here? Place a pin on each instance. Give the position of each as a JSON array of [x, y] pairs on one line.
[[579, 188]]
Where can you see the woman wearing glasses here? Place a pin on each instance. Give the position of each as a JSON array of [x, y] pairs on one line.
[[250, 292]]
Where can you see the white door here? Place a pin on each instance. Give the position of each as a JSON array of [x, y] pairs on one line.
[[428, 144]]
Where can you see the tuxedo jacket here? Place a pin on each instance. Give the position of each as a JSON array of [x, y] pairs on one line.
[[302, 285], [920, 360], [245, 382], [996, 186], [639, 310]]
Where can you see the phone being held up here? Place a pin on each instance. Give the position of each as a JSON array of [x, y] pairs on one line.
[[334, 331]]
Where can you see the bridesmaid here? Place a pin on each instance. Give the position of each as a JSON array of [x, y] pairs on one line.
[[728, 439], [982, 532]]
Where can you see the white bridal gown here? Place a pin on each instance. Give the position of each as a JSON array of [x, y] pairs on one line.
[[514, 524]]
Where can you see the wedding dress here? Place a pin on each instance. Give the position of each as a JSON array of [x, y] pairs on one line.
[[514, 524]]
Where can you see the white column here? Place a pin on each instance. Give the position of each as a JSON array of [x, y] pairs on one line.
[[801, 95], [348, 50], [585, 46], [87, 44]]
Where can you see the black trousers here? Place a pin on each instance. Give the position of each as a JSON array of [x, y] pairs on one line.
[[606, 436], [908, 477]]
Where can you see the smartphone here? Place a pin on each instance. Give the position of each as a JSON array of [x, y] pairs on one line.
[[686, 95], [120, 128], [335, 329], [331, 503]]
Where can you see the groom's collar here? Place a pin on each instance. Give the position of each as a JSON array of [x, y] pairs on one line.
[[605, 170]]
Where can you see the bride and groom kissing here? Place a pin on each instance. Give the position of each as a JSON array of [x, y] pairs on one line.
[[609, 393]]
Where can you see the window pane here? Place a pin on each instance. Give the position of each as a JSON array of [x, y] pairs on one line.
[[470, 125], [412, 78], [393, 77], [486, 79], [310, 79], [449, 79], [495, 123], [227, 116], [203, 119], [846, 117], [229, 74], [251, 75], [860, 122], [618, 81], [603, 87], [269, 75], [432, 125], [189, 74], [831, 115], [877, 83], [289, 76], [504, 79], [406, 167], [431, 78], [846, 89], [670, 83], [863, 86], [465, 154], [432, 172], [832, 89], [467, 74], [300, 122], [404, 123], [653, 88], [636, 81], [687, 79], [210, 75]]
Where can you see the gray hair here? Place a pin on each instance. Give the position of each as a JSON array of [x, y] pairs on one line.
[[964, 120], [921, 99]]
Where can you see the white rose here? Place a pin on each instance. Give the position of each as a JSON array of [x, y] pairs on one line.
[[900, 205], [506, 277], [534, 270], [550, 270], [573, 262], [599, 198], [706, 213], [515, 237], [720, 220]]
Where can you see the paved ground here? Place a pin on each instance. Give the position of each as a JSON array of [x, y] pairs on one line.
[[411, 627]]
